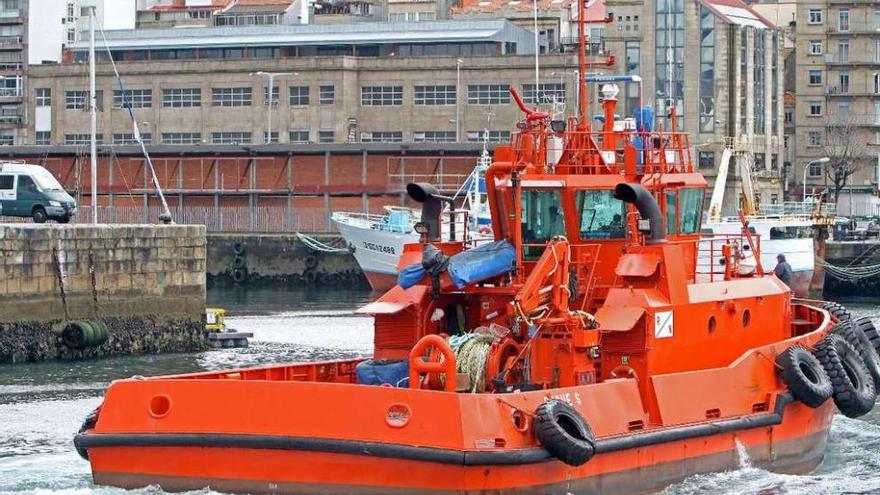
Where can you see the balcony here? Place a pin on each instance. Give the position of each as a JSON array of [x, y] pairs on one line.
[[11, 117], [856, 120], [856, 59], [852, 90], [10, 92], [10, 40], [851, 2], [854, 28]]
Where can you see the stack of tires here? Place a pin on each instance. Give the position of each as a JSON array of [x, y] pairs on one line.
[[843, 366], [239, 264]]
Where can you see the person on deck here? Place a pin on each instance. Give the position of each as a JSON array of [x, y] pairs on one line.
[[783, 270]]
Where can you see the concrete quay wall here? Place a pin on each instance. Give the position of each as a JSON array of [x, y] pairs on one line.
[[280, 259], [852, 254], [145, 283]]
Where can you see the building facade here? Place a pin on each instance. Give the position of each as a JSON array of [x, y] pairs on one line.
[[718, 63], [13, 66], [837, 114], [397, 83]]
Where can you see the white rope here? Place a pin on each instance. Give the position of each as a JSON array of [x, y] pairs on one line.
[[850, 273], [316, 245], [471, 357]]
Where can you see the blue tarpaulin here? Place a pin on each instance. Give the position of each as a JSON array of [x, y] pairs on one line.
[[481, 263]]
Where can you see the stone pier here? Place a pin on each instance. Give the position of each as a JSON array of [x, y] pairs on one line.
[[145, 283]]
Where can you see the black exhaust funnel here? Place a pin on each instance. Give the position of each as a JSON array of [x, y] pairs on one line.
[[648, 208], [430, 198]]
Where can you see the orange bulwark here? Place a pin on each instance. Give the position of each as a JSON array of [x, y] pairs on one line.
[[586, 350]]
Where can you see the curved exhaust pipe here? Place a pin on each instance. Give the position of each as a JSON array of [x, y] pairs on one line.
[[646, 204]]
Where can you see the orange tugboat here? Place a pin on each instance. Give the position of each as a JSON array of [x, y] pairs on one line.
[[582, 352]]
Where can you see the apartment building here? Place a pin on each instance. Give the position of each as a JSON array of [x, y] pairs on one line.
[[441, 81], [719, 64], [13, 62], [837, 114]]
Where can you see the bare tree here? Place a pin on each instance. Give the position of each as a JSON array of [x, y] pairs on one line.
[[846, 147]]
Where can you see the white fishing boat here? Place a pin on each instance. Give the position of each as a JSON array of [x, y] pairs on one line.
[[377, 240]]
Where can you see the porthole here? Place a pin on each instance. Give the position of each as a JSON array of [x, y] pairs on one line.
[[747, 318], [711, 324]]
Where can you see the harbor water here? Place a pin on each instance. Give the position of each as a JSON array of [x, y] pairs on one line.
[[42, 405]]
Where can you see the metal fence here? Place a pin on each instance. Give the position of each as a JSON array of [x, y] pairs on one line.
[[220, 219]]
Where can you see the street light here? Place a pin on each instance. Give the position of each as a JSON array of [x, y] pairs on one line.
[[807, 167], [458, 63], [271, 84]]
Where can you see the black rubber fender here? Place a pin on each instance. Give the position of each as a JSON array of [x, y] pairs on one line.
[[311, 261], [804, 376], [238, 248], [88, 423], [859, 341], [866, 326], [837, 310], [564, 433], [854, 393], [238, 262], [239, 275], [310, 277]]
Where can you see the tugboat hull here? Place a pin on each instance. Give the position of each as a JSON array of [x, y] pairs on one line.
[[795, 446]]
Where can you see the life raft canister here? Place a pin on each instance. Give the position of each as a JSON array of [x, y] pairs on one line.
[[854, 392], [564, 432], [804, 376]]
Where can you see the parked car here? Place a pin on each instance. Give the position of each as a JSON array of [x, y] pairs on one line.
[[32, 191]]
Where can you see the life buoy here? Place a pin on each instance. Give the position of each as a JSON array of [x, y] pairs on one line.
[[859, 341], [804, 376], [854, 392], [624, 372], [564, 432]]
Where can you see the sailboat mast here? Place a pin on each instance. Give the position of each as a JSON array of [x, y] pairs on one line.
[[93, 115]]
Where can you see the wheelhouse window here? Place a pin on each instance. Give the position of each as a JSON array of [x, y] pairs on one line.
[[542, 219], [601, 215], [690, 206], [670, 212]]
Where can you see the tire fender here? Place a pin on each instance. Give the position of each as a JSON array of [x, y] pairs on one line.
[[564, 433], [854, 393], [804, 376]]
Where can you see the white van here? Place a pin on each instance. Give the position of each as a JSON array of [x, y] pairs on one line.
[[32, 191]]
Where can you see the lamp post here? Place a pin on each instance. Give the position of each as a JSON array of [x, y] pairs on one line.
[[270, 77], [807, 167], [458, 63]]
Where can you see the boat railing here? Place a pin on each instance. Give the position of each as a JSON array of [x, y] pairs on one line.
[[726, 256], [600, 152], [805, 209]]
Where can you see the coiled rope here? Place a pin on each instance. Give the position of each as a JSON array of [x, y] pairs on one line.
[[471, 357], [316, 245]]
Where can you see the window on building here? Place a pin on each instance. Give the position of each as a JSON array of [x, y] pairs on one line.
[[843, 51], [877, 50], [707, 159], [397, 17], [382, 137], [789, 116], [264, 52], [182, 97], [814, 139], [232, 97], [815, 169], [843, 81], [759, 79], [81, 139], [843, 111], [299, 96], [43, 138], [199, 14], [372, 96], [494, 136], [815, 16], [7, 138], [815, 108], [75, 100], [231, 137], [326, 136], [633, 65], [843, 19], [434, 137], [488, 94], [427, 16], [276, 92], [877, 19], [547, 93], [128, 139], [299, 137], [327, 95], [44, 97], [815, 77], [270, 138], [815, 47], [133, 98], [435, 95], [181, 138], [877, 83]]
